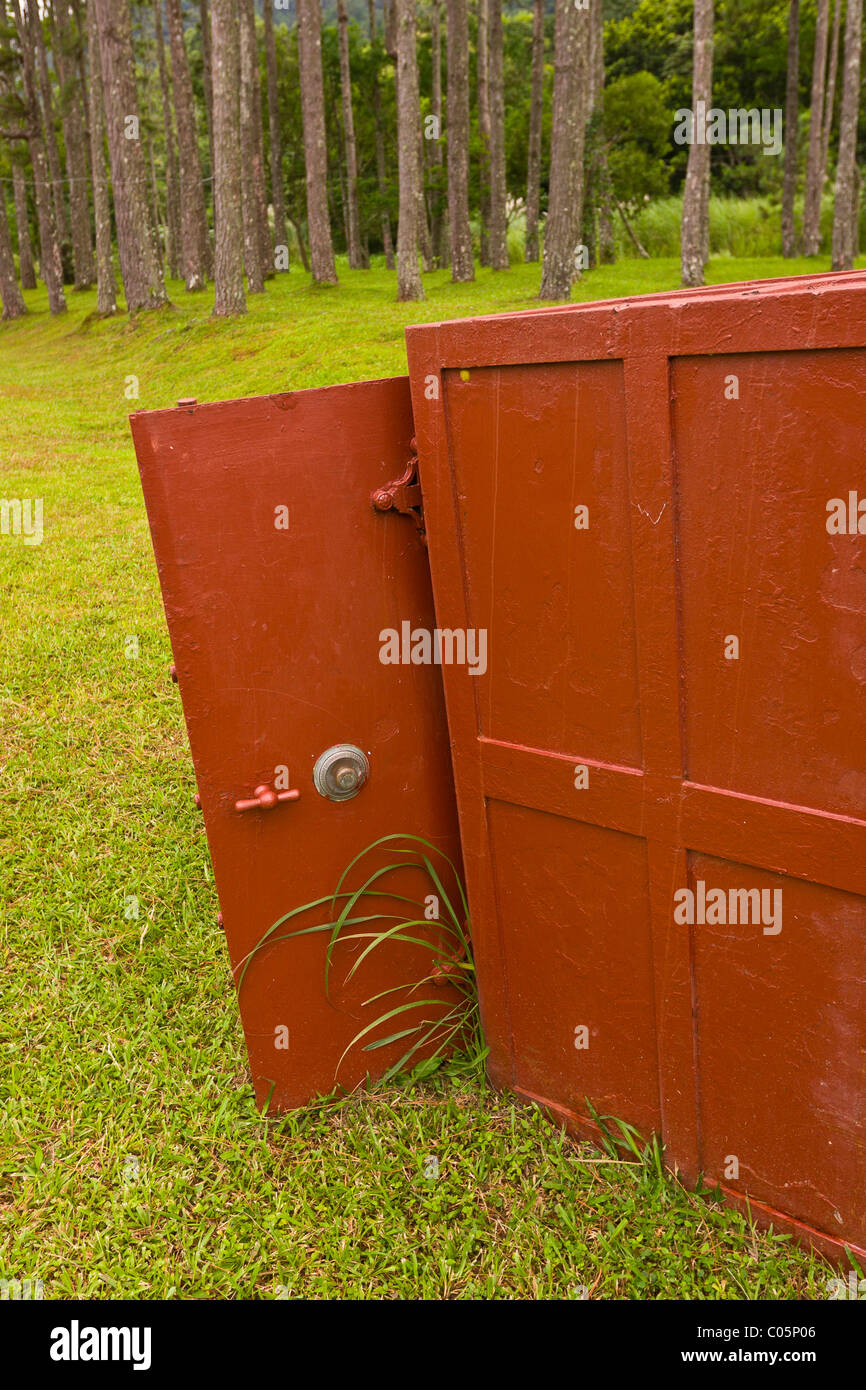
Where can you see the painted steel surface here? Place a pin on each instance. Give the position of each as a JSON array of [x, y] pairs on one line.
[[671, 722], [278, 576]]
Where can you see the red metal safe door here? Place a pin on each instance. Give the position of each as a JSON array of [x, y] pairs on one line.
[[615, 493], [278, 576]]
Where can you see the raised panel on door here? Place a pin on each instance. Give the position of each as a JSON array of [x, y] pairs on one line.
[[784, 719], [781, 1042], [535, 450], [574, 905]]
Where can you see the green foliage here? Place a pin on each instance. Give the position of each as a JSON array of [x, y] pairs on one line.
[[749, 70], [749, 58], [655, 37], [637, 129]]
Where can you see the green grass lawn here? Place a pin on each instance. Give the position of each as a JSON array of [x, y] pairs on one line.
[[133, 1162]]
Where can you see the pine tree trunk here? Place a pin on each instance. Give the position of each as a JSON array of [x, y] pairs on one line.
[[337, 122], [830, 94], [278, 192], [696, 195], [10, 291], [381, 179], [498, 244], [228, 216], [106, 287], [302, 245], [257, 136], [154, 205], [357, 259], [588, 235], [409, 284], [482, 68], [425, 239], [438, 227], [75, 140], [426, 144], [536, 114], [457, 58], [52, 150], [814, 178], [253, 261], [22, 223], [142, 279], [80, 64], [193, 217], [847, 200], [315, 144], [144, 74], [566, 153], [172, 190], [207, 70], [606, 243], [792, 107], [50, 265]]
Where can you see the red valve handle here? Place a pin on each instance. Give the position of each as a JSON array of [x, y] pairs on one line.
[[264, 797]]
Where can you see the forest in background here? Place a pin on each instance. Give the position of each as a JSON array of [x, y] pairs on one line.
[[436, 133]]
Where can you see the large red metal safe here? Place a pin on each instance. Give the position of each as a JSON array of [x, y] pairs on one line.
[[647, 543]]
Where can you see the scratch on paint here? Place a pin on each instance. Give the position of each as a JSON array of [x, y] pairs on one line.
[[654, 520]]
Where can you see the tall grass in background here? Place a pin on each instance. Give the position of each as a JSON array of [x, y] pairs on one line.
[[738, 227], [741, 227]]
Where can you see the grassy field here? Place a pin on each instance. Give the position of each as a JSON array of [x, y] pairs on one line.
[[133, 1162]]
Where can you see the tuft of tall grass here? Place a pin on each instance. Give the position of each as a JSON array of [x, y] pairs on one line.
[[739, 227], [515, 237], [434, 1034]]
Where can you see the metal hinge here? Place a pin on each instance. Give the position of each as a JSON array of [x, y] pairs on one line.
[[404, 494]]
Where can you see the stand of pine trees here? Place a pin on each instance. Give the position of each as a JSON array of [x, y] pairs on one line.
[[228, 141]]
